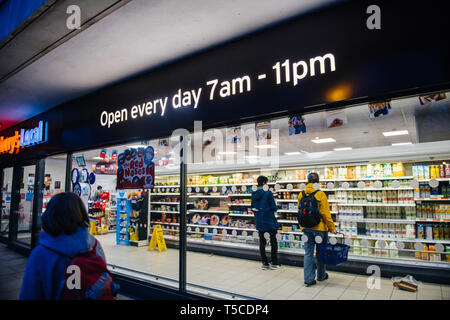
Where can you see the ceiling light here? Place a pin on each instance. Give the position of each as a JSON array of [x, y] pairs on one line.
[[251, 157], [265, 146], [97, 158], [401, 144], [325, 140], [292, 153], [395, 133], [342, 149]]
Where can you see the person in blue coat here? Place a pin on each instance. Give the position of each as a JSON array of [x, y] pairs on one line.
[[264, 208], [66, 233]]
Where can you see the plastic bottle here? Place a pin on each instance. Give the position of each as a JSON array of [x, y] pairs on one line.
[[433, 256], [365, 251], [393, 250], [377, 248], [356, 247], [354, 229], [447, 256], [385, 230], [378, 230], [391, 230], [425, 255], [373, 231]]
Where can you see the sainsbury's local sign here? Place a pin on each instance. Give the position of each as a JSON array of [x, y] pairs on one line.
[[26, 138]]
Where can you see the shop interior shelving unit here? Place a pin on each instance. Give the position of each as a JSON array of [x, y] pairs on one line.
[[369, 211]]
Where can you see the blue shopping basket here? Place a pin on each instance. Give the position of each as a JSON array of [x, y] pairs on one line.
[[333, 254]]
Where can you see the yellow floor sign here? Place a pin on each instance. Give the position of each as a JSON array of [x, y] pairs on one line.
[[157, 239]]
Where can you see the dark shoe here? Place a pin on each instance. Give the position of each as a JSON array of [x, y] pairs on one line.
[[275, 266], [265, 267], [326, 277], [311, 283]]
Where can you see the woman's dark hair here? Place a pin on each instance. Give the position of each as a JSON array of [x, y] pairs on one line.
[[313, 177], [262, 181], [65, 212]]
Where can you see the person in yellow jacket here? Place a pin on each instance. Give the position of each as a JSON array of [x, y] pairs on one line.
[[321, 230]]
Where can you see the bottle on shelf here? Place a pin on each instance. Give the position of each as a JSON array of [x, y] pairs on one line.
[[393, 250]]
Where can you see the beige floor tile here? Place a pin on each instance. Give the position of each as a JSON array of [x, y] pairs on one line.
[[347, 296], [322, 296], [373, 296], [396, 295], [429, 297]]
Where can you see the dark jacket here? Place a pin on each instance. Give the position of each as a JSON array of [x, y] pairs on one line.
[[265, 214], [45, 268]]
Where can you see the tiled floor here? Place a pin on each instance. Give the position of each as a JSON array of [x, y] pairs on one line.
[[12, 268], [245, 277]]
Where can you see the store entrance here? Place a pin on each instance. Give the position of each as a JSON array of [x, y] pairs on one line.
[[22, 203], [5, 191]]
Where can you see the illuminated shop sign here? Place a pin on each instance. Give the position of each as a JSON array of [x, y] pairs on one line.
[[34, 136], [10, 144], [26, 138]]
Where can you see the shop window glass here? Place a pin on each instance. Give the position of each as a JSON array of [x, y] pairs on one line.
[[384, 166], [124, 219], [6, 202]]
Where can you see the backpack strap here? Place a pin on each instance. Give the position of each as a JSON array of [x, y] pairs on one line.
[[94, 248]]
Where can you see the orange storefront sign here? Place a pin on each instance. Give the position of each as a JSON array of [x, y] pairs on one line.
[[10, 144]]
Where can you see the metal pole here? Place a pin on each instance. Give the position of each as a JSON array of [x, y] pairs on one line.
[[37, 202], [68, 186], [183, 207]]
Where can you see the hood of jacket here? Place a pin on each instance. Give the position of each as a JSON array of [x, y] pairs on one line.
[[309, 188], [258, 194], [69, 245]]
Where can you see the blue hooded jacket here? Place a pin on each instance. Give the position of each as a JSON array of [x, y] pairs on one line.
[[265, 215], [45, 269]]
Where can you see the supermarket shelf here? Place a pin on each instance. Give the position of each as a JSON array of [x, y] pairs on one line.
[[293, 190], [170, 224], [209, 211], [338, 180], [286, 200], [368, 189], [164, 194], [239, 195], [220, 227], [432, 220], [226, 184], [287, 211], [206, 196], [174, 186], [240, 215], [401, 239], [157, 211], [164, 203], [377, 204], [400, 221], [432, 199], [287, 221], [239, 204], [438, 179]]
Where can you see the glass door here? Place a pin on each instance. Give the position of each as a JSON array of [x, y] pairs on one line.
[[24, 212], [6, 202]]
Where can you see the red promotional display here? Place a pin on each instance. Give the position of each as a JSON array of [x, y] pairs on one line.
[[136, 169]]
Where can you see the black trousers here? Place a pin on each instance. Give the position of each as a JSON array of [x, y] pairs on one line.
[[273, 246]]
